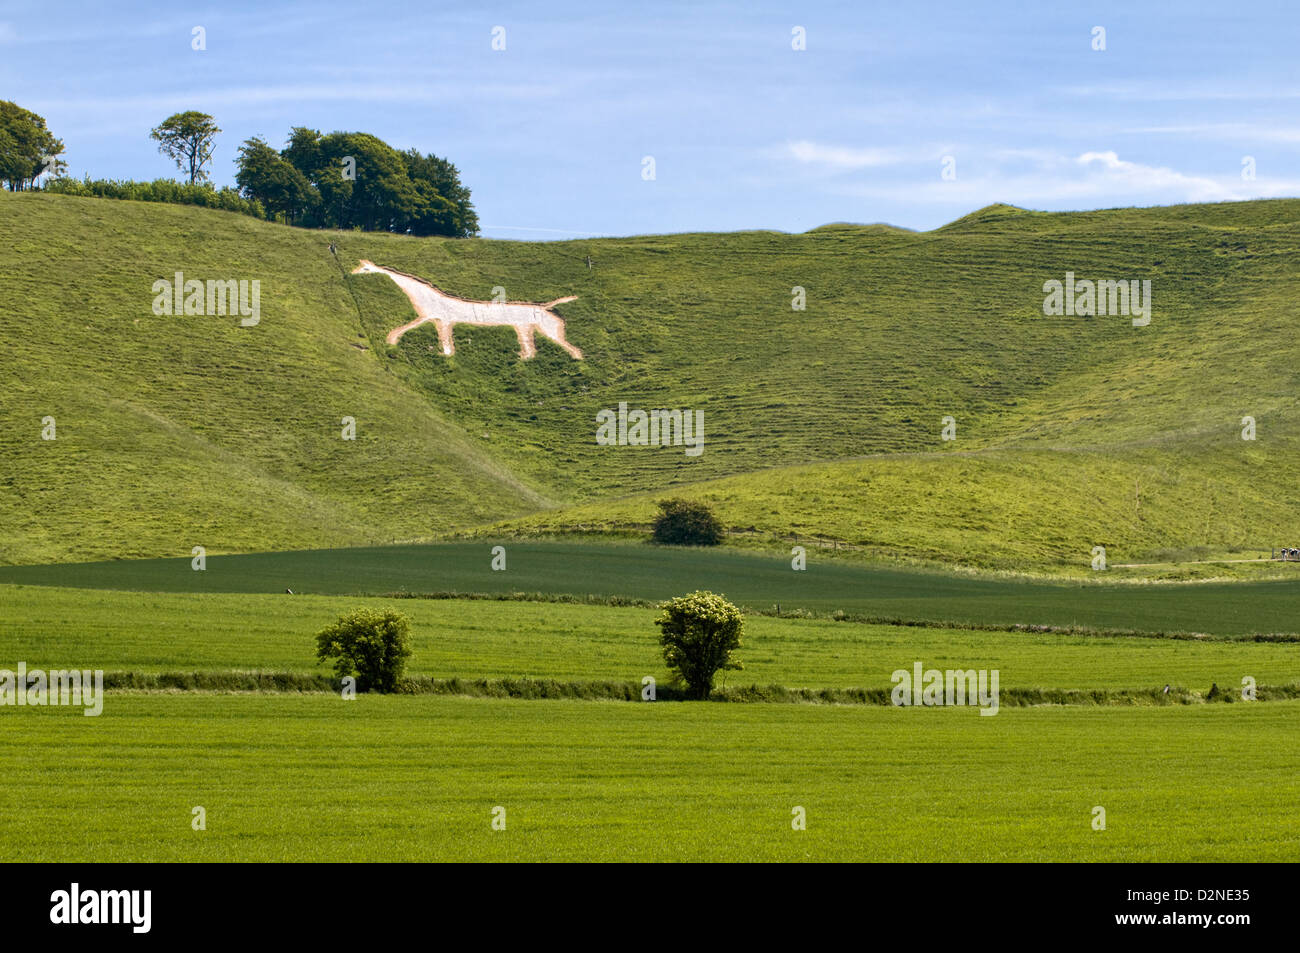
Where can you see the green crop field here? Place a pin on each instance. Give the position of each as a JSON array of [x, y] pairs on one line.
[[170, 632], [391, 778], [314, 777], [652, 573]]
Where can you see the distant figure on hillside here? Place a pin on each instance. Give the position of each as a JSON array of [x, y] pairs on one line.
[[289, 591], [1166, 689], [446, 311]]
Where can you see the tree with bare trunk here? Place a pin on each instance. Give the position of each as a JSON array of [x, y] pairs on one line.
[[27, 149], [186, 139]]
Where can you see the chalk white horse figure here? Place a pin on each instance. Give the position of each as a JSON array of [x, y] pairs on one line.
[[446, 311]]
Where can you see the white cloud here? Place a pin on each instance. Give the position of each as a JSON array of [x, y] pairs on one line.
[[1121, 177], [1167, 91], [1239, 132], [1093, 179], [842, 157]]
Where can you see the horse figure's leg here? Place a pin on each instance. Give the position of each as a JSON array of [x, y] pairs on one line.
[[527, 346], [558, 337]]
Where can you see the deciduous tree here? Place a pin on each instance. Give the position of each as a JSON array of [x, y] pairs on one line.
[[187, 139], [698, 633], [27, 148]]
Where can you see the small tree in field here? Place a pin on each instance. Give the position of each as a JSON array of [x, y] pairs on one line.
[[686, 523], [699, 633], [370, 644]]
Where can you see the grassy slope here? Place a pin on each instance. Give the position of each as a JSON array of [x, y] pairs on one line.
[[178, 431], [1031, 510], [1072, 432], [901, 328], [417, 778], [1085, 431]]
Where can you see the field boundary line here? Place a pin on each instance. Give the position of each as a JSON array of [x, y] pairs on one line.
[[530, 689]]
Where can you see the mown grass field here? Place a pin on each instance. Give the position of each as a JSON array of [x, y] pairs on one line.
[[154, 632], [391, 778], [648, 572]]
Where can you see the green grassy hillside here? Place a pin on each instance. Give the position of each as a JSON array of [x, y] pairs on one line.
[[1072, 432], [181, 431], [1028, 510]]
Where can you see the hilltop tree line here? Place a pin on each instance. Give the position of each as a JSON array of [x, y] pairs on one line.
[[28, 149], [356, 180], [349, 180]]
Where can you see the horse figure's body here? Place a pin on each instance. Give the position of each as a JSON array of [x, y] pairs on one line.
[[446, 311]]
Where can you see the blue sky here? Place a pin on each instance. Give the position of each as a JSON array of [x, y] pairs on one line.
[[746, 132]]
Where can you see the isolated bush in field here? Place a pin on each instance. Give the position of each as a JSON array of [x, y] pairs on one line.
[[686, 523], [370, 644], [699, 632]]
